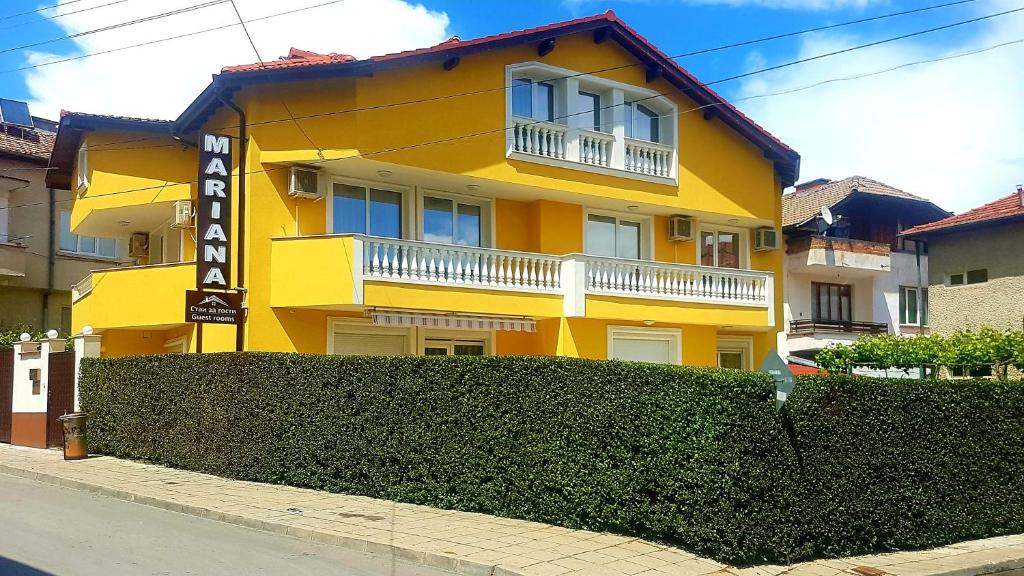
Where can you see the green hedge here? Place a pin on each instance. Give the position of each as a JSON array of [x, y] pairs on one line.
[[694, 457]]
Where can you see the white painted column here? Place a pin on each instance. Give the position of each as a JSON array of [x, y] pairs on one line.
[[574, 287], [618, 118], [572, 120], [357, 270], [86, 346]]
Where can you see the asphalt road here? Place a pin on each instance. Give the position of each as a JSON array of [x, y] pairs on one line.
[[47, 529]]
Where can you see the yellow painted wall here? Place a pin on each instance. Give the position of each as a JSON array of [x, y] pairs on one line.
[[720, 174]]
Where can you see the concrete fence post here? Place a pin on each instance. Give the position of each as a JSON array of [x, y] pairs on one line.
[[86, 346]]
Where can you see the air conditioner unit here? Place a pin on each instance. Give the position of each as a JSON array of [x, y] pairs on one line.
[[766, 239], [303, 183], [680, 228], [138, 247], [182, 214]]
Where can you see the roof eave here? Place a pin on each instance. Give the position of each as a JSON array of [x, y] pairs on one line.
[[964, 227]]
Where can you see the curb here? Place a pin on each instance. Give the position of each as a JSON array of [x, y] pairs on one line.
[[412, 556]]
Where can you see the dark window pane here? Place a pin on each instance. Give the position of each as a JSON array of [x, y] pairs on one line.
[[728, 250], [87, 244], [600, 235], [903, 305], [924, 306], [707, 248], [386, 213], [645, 124], [977, 276], [107, 247], [628, 240], [68, 241], [628, 107], [589, 110], [956, 279], [469, 349], [522, 97], [545, 102], [349, 209]]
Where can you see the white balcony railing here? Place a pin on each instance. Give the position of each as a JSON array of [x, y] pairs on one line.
[[596, 148], [649, 158], [427, 262], [590, 149], [658, 280], [545, 139]]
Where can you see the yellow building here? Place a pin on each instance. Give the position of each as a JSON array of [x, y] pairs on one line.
[[564, 190]]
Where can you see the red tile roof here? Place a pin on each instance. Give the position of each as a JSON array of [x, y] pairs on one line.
[[27, 143], [1011, 206], [801, 370], [300, 58]]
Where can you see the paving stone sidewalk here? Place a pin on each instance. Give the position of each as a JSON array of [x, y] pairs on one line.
[[461, 542]]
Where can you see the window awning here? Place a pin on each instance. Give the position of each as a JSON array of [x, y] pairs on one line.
[[453, 321]]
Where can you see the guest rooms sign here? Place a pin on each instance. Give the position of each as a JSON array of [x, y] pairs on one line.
[[213, 213]]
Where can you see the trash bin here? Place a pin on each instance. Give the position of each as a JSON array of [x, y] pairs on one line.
[[75, 445]]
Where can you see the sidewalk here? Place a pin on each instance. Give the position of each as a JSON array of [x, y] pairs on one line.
[[461, 542]]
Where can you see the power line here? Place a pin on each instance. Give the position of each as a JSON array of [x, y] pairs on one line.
[[612, 68], [165, 185], [37, 10], [54, 17], [486, 90], [319, 151], [144, 19]]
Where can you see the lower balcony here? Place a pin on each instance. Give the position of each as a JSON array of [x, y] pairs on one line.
[[12, 260], [370, 271], [837, 327], [134, 296], [816, 254]]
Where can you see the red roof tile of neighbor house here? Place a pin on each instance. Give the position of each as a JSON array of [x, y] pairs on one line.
[[1007, 207], [801, 370], [301, 58], [800, 206], [26, 143]]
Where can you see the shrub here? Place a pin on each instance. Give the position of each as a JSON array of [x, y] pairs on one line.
[[694, 457]]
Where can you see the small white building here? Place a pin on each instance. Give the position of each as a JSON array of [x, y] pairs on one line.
[[848, 273]]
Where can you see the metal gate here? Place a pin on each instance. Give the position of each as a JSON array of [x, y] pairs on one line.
[[6, 392], [60, 394]]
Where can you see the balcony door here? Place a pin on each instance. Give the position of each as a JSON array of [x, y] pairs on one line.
[[831, 302], [722, 248], [616, 236], [460, 220], [366, 209]]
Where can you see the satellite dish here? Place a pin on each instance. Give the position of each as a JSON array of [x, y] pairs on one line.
[[826, 215]]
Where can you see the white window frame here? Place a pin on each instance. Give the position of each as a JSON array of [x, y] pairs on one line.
[[744, 235], [488, 237], [921, 306], [741, 344], [78, 242], [83, 168], [646, 229], [674, 336], [178, 345], [357, 326], [452, 337], [405, 191]]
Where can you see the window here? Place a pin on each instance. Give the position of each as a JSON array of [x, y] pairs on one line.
[[533, 99], [84, 245], [641, 122], [439, 347], [366, 340], [608, 235], [588, 110], [735, 353], [83, 167], [831, 302], [365, 210], [721, 248], [970, 277], [661, 346], [913, 306], [65, 319], [455, 221]]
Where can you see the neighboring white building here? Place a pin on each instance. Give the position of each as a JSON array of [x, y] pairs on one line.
[[853, 276]]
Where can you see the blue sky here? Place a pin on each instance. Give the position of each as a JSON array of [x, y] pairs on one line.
[[920, 129]]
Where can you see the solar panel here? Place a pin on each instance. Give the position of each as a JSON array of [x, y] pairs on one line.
[[15, 112]]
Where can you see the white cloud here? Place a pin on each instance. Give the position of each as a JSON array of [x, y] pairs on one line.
[[949, 131], [159, 81]]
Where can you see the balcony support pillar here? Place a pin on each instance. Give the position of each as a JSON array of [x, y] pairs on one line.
[[574, 284], [357, 271], [618, 126]]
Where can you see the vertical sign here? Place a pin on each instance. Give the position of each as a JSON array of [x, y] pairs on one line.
[[784, 381], [213, 213]]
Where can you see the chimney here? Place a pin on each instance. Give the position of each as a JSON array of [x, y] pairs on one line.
[[1020, 194]]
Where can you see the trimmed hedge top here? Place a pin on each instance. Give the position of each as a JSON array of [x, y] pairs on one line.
[[695, 457]]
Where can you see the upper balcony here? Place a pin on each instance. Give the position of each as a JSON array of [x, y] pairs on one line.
[[369, 271], [817, 254], [562, 118], [133, 296], [12, 260]]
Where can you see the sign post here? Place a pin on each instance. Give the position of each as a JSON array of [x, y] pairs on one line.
[[784, 381], [213, 240]]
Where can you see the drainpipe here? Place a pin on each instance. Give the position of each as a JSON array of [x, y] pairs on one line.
[[240, 274], [51, 256], [920, 297]]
